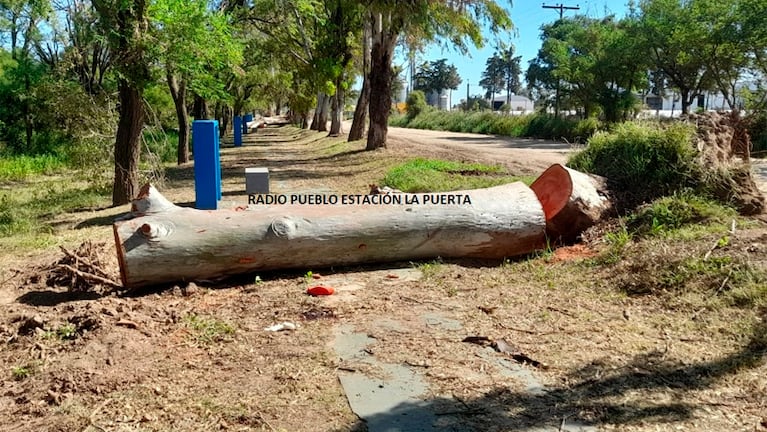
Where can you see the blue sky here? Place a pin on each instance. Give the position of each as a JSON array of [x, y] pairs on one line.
[[528, 17]]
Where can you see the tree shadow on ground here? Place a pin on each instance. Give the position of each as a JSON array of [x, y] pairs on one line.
[[54, 298], [589, 399]]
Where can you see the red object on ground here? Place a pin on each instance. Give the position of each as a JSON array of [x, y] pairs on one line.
[[320, 290]]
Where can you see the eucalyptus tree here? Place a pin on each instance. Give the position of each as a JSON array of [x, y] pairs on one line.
[[125, 24], [195, 47], [458, 21]]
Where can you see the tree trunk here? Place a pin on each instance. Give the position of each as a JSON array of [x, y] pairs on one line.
[[686, 100], [337, 110], [384, 38], [165, 243], [200, 108], [316, 117], [178, 94], [127, 144], [322, 117], [357, 130]]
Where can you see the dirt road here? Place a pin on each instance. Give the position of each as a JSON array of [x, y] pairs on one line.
[[519, 155]]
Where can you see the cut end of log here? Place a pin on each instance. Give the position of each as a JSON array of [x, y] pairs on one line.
[[572, 201], [553, 189]]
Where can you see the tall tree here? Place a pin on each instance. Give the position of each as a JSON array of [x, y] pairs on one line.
[[678, 44], [125, 22], [502, 73], [591, 64], [196, 47], [458, 21], [357, 130], [437, 76]]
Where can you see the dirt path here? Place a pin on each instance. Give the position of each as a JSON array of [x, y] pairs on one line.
[[520, 155]]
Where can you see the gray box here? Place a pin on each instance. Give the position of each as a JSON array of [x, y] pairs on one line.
[[257, 180]]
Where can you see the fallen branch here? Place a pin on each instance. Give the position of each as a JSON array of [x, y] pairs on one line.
[[91, 277]]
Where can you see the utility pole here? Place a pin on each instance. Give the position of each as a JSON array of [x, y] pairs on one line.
[[562, 9]]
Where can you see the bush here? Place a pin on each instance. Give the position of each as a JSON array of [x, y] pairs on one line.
[[642, 161], [416, 104]]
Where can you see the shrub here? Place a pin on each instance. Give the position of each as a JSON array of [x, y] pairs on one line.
[[416, 104], [642, 161]]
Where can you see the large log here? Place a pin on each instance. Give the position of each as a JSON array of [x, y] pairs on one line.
[[572, 201], [165, 243]]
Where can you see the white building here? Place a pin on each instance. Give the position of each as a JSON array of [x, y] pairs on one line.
[[518, 104]]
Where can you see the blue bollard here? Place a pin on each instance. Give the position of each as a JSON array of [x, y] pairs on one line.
[[237, 131], [247, 119], [207, 164]]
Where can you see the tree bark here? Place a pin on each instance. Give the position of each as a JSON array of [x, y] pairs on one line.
[[200, 108], [337, 110], [322, 115], [178, 94], [165, 243], [357, 130], [316, 117], [127, 143], [384, 38]]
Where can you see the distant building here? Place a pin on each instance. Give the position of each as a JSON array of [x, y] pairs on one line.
[[516, 103]]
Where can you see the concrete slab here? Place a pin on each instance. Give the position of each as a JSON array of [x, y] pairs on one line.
[[388, 397]]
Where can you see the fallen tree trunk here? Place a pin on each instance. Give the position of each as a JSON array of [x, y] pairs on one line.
[[166, 243], [162, 242], [572, 201]]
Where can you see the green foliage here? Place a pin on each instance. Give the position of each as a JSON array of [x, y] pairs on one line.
[[17, 168], [66, 331], [666, 214], [208, 330], [501, 73], [577, 61], [416, 104], [494, 123], [437, 76], [29, 212], [643, 161], [430, 175], [20, 373]]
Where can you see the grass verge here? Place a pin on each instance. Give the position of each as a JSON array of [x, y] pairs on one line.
[[433, 175]]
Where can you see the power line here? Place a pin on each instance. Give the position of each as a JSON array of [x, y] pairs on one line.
[[562, 8]]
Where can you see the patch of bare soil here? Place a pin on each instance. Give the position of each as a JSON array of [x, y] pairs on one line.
[[200, 358]]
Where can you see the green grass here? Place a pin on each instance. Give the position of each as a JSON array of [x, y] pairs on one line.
[[28, 210], [18, 168], [681, 215], [206, 330], [432, 175]]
